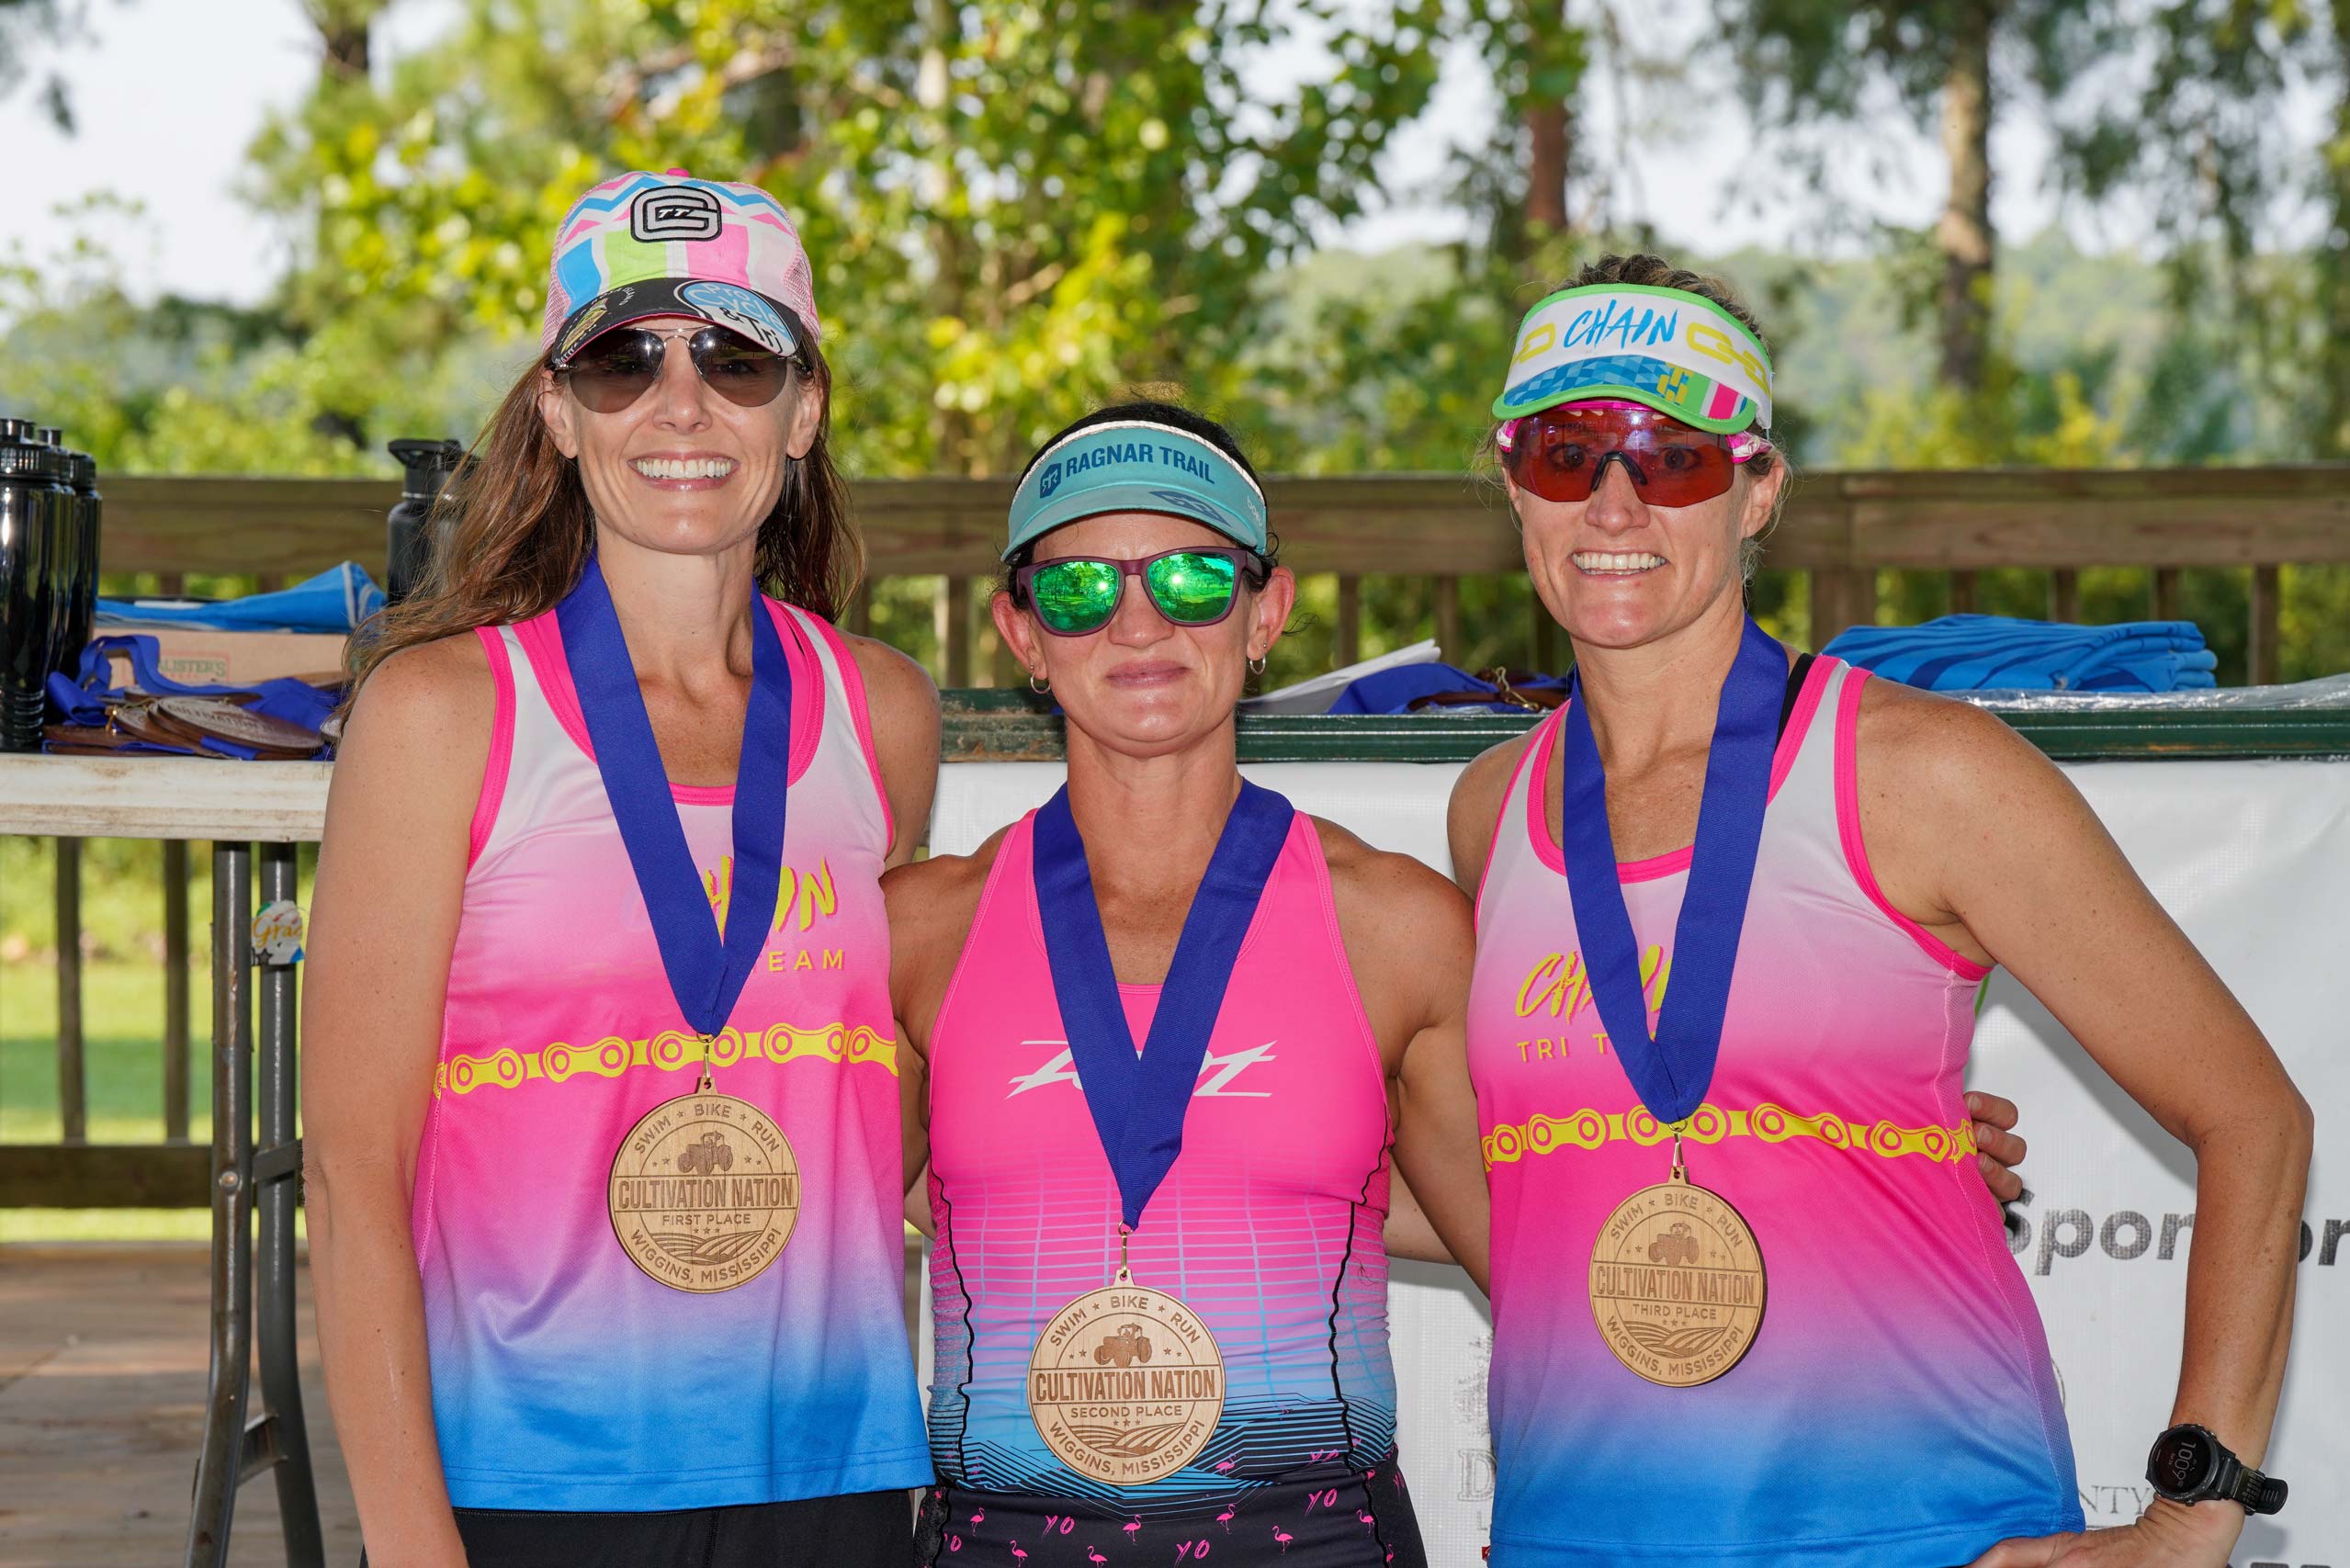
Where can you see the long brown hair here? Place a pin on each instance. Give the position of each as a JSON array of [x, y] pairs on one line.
[[514, 533]]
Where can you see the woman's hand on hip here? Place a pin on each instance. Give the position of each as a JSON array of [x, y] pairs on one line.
[[2168, 1535]]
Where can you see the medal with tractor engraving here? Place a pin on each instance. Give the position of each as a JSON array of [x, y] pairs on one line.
[[704, 1190], [1676, 1283], [1677, 1276], [1125, 1384]]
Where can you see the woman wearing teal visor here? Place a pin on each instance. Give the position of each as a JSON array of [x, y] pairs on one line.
[[1752, 1302], [1161, 1038]]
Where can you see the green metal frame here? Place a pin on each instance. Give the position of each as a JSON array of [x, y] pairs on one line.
[[1000, 726]]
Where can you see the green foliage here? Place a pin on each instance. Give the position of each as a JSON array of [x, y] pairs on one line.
[[1808, 66], [1014, 209], [185, 386], [2194, 136], [122, 1016]]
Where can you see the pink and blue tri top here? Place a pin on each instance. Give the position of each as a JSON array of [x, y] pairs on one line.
[[1266, 1226], [563, 1376], [1897, 1408]]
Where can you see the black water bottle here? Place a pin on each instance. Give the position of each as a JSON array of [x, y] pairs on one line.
[[425, 467], [84, 476], [79, 598], [35, 531]]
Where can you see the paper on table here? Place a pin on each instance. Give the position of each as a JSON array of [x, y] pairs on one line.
[[1316, 695]]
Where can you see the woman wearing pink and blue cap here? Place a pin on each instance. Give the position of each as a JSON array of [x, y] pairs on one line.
[[1164, 1035], [1752, 1300], [600, 1104]]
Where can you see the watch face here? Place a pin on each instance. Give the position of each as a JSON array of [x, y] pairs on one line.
[[2182, 1461]]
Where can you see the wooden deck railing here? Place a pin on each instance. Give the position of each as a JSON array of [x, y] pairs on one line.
[[1840, 531], [1840, 528]]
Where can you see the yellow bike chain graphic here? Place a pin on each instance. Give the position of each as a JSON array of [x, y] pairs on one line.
[[612, 1056], [1710, 1123]]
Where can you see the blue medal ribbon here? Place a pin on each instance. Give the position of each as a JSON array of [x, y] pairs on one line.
[[1138, 1102], [705, 974], [1672, 1069]]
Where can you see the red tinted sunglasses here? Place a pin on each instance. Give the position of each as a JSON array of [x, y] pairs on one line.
[[1560, 452]]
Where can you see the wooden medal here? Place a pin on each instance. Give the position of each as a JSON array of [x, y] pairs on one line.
[[1125, 1384], [704, 1192], [1677, 1283]]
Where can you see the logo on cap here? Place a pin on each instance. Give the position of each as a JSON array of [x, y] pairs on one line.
[[587, 319], [674, 212], [744, 312], [1050, 482]]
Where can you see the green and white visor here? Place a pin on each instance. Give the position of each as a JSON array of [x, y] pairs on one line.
[[1677, 353], [1135, 465]]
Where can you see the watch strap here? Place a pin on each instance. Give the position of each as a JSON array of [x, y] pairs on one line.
[[2256, 1493]]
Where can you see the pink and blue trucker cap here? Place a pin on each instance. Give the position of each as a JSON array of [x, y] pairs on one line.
[[643, 244]]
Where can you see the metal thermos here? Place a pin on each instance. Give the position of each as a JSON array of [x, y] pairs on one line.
[[426, 468], [37, 559]]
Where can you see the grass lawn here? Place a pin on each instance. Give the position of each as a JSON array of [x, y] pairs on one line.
[[122, 1024]]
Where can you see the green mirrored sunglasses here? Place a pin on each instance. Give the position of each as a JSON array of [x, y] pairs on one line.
[[1074, 595]]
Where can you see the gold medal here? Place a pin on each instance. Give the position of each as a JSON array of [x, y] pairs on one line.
[[1125, 1384], [703, 1191], [1676, 1283]]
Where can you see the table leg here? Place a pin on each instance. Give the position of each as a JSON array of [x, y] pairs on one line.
[[277, 1173], [219, 1467]]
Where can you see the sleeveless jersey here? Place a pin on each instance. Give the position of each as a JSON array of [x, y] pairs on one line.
[[563, 1376], [1266, 1226], [1897, 1406]]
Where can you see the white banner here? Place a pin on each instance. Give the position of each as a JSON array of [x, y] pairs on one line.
[[2253, 859]]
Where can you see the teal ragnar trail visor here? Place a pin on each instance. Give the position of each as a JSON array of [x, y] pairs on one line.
[[1137, 465]]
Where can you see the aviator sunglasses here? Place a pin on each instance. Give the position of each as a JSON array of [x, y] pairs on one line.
[[619, 366], [1191, 587], [1560, 452]]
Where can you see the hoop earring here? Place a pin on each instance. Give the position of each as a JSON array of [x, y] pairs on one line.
[[1038, 686], [1256, 665]]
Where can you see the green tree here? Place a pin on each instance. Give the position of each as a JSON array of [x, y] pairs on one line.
[[1015, 208], [2196, 137], [1817, 66]]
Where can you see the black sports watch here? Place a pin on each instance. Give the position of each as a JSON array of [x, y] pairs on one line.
[[2189, 1465]]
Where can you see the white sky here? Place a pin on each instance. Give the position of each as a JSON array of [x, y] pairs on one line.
[[168, 95]]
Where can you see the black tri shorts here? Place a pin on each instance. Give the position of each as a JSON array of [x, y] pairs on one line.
[[1318, 1517], [865, 1529]]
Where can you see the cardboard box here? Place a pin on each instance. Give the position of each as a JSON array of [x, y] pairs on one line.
[[195, 656]]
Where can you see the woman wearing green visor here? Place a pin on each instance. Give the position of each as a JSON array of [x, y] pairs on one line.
[[1753, 1301], [1172, 1031]]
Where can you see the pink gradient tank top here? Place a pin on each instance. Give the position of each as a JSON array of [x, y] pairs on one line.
[[563, 1376], [1897, 1409], [1267, 1225]]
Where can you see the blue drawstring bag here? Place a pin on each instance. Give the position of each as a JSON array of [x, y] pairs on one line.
[[336, 599]]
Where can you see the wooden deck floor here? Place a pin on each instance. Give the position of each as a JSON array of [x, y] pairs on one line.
[[102, 1364]]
